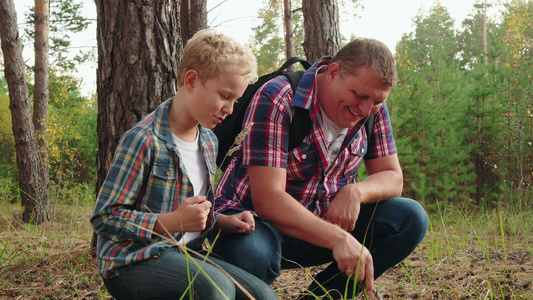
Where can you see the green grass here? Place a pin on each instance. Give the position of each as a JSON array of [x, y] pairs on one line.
[[468, 253]]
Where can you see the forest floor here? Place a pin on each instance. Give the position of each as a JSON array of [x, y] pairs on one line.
[[53, 261]]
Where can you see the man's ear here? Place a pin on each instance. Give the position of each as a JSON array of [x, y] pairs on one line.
[[191, 80], [334, 70]]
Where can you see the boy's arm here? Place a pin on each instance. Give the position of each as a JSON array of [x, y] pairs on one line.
[[242, 222], [114, 215]]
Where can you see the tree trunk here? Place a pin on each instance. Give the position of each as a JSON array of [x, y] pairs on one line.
[[193, 17], [40, 93], [139, 47], [322, 32], [31, 182], [289, 35]]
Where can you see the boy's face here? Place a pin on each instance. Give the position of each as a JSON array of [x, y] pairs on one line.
[[348, 98], [215, 97]]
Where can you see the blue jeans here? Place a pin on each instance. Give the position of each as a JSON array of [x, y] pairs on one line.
[[395, 227], [165, 277]]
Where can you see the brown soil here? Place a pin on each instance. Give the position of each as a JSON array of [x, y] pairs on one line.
[[464, 275]]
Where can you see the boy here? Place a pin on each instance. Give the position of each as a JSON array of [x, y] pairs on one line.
[[161, 182]]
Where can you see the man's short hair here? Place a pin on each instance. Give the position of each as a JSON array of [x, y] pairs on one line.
[[368, 52], [211, 53]]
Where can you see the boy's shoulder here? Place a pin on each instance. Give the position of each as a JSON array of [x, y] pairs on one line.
[[155, 123]]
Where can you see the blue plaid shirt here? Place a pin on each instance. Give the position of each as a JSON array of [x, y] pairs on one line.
[[145, 179]]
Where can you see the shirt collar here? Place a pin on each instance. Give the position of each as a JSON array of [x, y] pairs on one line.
[[305, 96]]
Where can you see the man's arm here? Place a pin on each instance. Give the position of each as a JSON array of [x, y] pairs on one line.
[[274, 204], [385, 180]]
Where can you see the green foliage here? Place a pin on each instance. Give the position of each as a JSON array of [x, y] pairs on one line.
[[464, 128], [65, 19], [74, 194], [72, 131], [268, 44], [72, 137], [9, 191], [426, 111], [7, 142]]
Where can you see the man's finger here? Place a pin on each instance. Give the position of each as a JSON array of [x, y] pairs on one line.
[[369, 278]]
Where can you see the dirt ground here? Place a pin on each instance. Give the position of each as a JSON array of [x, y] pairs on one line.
[[467, 274]]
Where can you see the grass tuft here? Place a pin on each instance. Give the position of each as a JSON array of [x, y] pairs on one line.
[[469, 253]]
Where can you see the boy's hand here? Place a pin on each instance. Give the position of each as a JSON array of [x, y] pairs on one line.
[[239, 223], [190, 216]]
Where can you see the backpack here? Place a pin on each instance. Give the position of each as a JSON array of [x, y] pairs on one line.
[[231, 126], [228, 129]]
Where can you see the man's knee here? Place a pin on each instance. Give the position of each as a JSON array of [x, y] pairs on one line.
[[257, 253], [416, 216]]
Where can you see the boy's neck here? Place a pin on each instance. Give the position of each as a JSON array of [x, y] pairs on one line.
[[181, 124]]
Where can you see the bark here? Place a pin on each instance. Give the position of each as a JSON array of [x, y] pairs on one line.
[[289, 35], [193, 17], [322, 32], [139, 47], [40, 93], [31, 182]]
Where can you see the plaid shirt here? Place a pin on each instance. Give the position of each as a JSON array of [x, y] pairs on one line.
[[309, 178], [145, 179]]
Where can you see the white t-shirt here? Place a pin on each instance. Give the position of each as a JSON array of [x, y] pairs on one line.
[[334, 135], [193, 160]]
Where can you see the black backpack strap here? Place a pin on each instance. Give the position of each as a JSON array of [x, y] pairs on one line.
[[292, 61], [300, 127], [301, 123], [369, 126]]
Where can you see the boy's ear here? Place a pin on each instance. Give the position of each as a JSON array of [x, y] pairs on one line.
[[191, 80]]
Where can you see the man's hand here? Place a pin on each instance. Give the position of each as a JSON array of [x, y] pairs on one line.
[[238, 223], [344, 209], [355, 260]]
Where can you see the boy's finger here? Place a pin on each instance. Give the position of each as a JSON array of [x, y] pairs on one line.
[[196, 199]]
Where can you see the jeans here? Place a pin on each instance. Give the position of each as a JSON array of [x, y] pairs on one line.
[[165, 277], [395, 227]]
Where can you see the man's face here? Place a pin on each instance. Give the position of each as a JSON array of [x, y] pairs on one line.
[[348, 98]]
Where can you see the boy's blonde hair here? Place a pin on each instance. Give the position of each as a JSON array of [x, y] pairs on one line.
[[211, 53]]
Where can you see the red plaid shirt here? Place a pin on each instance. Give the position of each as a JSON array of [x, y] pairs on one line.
[[310, 180]]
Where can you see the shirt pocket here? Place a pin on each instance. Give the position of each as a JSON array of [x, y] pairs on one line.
[[356, 155], [162, 182], [303, 163]]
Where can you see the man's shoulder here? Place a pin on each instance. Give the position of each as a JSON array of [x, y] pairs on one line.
[[276, 86]]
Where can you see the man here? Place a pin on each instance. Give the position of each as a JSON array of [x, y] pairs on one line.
[[308, 212]]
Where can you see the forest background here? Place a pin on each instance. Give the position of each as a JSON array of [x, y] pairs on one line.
[[462, 116]]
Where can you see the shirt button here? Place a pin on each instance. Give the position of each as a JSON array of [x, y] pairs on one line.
[[363, 150], [304, 156]]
